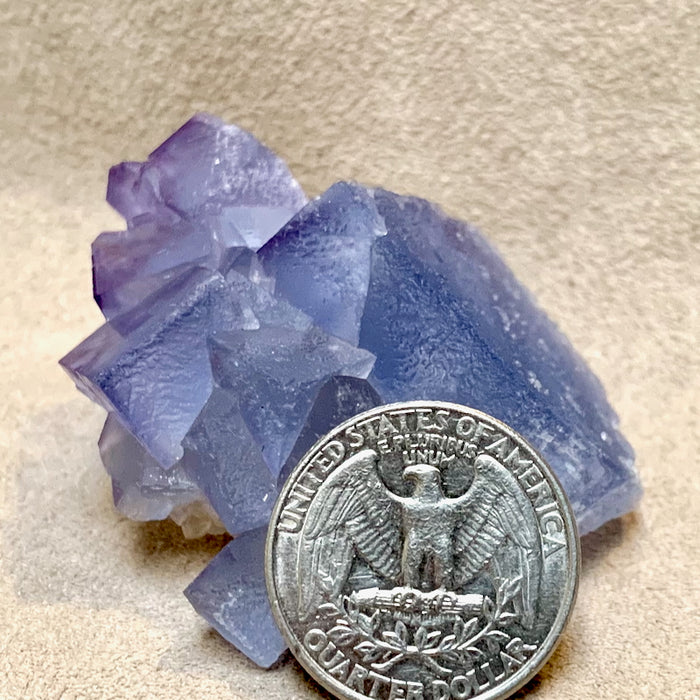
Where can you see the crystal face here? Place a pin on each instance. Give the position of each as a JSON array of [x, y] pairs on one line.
[[266, 383], [320, 260], [275, 374], [447, 320], [223, 460], [150, 365], [210, 187], [338, 400], [143, 490], [230, 594], [244, 322]]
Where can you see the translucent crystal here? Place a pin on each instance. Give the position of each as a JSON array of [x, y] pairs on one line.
[[210, 187], [275, 373], [130, 265], [267, 381], [144, 491], [244, 323], [150, 365], [230, 594], [223, 459], [338, 400], [321, 259], [447, 320]]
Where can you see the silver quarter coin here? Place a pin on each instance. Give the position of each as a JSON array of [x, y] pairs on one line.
[[422, 551]]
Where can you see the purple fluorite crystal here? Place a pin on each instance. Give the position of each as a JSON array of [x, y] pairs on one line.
[[210, 187], [230, 594], [244, 322]]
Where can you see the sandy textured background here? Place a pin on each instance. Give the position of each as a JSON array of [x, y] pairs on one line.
[[568, 131]]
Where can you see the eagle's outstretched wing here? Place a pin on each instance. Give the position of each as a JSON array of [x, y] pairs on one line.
[[353, 511], [498, 529]]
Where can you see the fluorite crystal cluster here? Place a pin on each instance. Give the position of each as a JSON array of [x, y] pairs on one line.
[[243, 322]]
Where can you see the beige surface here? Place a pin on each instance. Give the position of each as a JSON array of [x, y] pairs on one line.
[[568, 131]]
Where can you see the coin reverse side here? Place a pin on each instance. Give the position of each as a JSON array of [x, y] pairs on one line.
[[422, 551]]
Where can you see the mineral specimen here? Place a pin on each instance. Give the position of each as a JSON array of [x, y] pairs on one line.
[[266, 382], [243, 323], [230, 594], [210, 187], [447, 320]]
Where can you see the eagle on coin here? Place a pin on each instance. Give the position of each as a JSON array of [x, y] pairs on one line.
[[491, 528]]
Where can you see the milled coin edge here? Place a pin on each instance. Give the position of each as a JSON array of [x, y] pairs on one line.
[[551, 641]]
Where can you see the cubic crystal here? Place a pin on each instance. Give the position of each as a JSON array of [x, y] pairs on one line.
[[338, 400], [223, 459], [266, 383], [230, 594], [320, 260], [151, 365], [447, 320], [143, 490], [210, 187], [275, 374]]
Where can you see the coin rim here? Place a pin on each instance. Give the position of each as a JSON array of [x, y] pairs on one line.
[[543, 653]]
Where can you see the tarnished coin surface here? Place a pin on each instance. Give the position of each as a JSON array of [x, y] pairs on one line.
[[422, 551]]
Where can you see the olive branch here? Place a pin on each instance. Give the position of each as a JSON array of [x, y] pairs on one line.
[[382, 649]]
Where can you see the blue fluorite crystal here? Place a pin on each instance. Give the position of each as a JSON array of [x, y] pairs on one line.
[[222, 456], [275, 375], [320, 260], [338, 400], [150, 365], [266, 383], [210, 187], [142, 489], [447, 320], [230, 595], [223, 459]]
